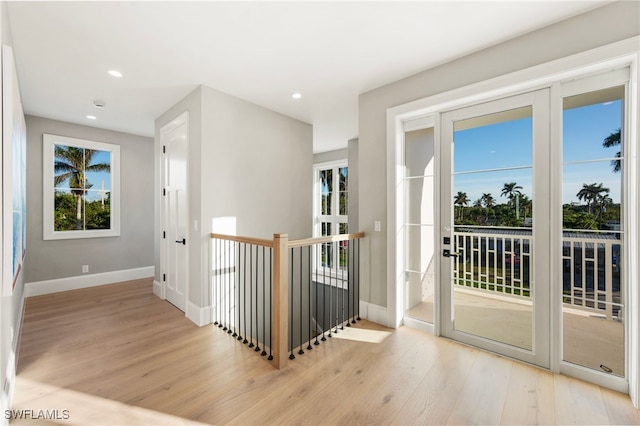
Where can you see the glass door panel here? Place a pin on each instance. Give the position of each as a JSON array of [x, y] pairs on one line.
[[419, 216], [593, 231], [490, 229], [492, 186]]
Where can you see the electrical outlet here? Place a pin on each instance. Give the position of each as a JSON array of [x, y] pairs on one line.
[[85, 269]]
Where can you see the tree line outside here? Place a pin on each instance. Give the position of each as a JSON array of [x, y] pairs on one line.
[[597, 211]]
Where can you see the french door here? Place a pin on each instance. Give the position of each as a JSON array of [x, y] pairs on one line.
[[495, 260], [532, 250]]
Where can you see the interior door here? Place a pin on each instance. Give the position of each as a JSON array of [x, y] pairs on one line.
[[175, 208], [494, 205]]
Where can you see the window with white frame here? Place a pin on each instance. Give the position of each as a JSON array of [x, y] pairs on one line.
[[331, 212], [81, 185]]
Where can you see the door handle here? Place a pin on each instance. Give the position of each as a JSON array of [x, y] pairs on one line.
[[449, 253], [183, 241]]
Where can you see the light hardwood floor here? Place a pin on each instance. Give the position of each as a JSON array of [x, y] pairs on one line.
[[118, 355]]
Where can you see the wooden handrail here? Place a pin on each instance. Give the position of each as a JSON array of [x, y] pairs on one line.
[[295, 243], [247, 240], [329, 239]]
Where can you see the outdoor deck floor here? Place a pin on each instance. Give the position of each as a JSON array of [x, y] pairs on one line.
[[590, 341]]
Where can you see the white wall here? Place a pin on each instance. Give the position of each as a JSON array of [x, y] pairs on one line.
[[247, 163], [613, 22]]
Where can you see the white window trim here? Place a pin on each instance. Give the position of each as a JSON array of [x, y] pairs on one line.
[[48, 190], [615, 55], [324, 275]]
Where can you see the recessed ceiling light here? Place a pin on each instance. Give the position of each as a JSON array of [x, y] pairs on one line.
[[99, 104], [91, 117], [296, 95], [115, 73]]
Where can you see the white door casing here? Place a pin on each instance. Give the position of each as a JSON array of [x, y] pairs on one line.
[[175, 203]]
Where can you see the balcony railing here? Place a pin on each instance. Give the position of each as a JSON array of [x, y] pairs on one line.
[[498, 261], [280, 297]]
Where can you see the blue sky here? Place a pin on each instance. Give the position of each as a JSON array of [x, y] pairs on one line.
[[508, 145]]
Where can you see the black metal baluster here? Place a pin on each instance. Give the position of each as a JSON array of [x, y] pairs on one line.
[[239, 261], [244, 300], [224, 284], [250, 296], [342, 291], [358, 277], [291, 356], [215, 281], [349, 278], [309, 347], [236, 278], [228, 276], [329, 256], [236, 297], [300, 352], [337, 249], [270, 303], [264, 309], [257, 349], [324, 293], [316, 309]]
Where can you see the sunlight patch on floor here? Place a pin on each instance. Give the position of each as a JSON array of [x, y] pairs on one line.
[[73, 408], [362, 335]]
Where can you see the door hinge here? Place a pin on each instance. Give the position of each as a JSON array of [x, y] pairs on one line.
[[164, 149], [164, 277]]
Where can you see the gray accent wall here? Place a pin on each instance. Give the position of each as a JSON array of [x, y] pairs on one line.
[[245, 162], [53, 259], [608, 24]]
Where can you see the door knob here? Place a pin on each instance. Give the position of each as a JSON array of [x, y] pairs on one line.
[[183, 241]]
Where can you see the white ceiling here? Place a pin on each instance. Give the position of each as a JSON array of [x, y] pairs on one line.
[[258, 51]]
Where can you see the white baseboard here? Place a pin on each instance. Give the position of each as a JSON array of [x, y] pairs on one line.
[[374, 313], [84, 281], [199, 315], [157, 289]]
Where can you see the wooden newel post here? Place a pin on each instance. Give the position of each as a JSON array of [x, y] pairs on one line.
[[280, 330]]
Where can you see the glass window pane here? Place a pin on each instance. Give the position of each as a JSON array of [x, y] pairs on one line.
[[592, 187], [343, 190], [492, 141], [76, 171], [326, 191], [591, 125], [419, 202], [419, 152]]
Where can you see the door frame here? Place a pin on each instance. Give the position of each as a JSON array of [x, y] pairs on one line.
[[411, 115], [182, 119]]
